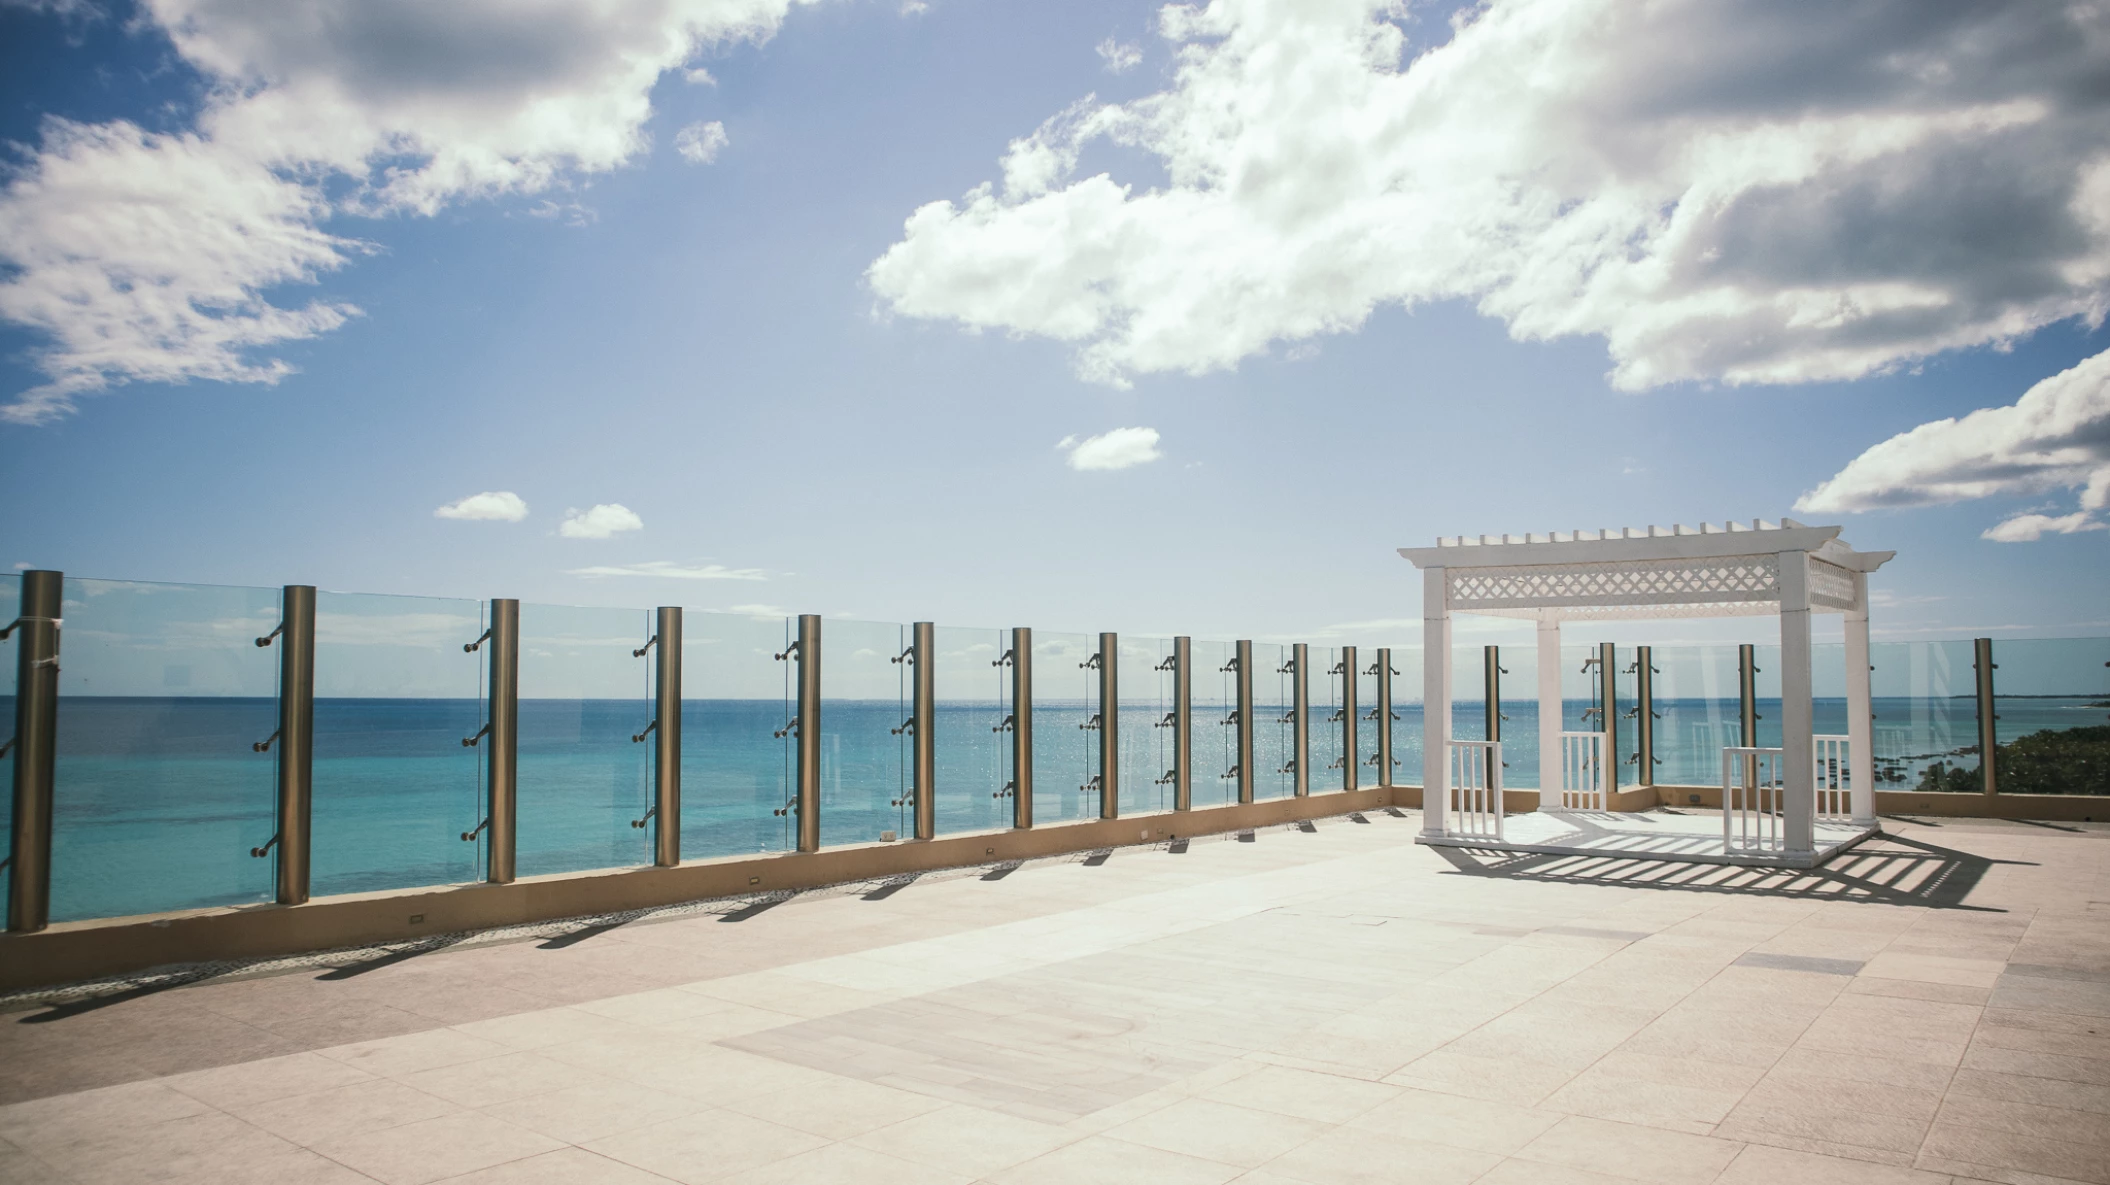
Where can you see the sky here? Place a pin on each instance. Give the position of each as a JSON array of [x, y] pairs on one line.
[[1085, 316]]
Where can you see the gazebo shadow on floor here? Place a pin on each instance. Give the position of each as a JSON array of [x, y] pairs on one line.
[[1883, 870]]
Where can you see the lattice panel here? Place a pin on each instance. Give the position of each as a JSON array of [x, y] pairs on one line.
[[1831, 585], [1710, 580]]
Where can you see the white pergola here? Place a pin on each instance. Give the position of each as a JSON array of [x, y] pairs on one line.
[[1792, 806]]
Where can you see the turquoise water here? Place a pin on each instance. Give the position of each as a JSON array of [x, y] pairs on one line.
[[160, 799]]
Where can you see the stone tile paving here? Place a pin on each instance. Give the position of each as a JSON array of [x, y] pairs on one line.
[[1312, 1008]]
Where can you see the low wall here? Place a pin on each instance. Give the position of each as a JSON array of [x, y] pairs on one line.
[[2055, 808], [69, 951]]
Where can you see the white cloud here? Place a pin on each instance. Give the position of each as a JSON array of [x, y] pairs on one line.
[[1118, 449], [1745, 192], [2028, 528], [502, 506], [670, 570], [2057, 436], [600, 522], [700, 143], [1120, 57], [914, 7], [145, 256]]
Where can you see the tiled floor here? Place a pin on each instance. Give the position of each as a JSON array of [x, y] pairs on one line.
[[1326, 1007]]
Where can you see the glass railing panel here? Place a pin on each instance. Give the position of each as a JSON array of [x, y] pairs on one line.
[[159, 793], [1215, 693], [736, 773], [584, 693], [394, 787], [1520, 711], [2052, 715], [1697, 706], [1406, 702], [973, 754], [1274, 740], [864, 760], [1064, 754], [1326, 735], [1146, 750], [1926, 717]]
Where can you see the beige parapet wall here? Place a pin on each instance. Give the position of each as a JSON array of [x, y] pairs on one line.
[[2055, 808], [70, 951]]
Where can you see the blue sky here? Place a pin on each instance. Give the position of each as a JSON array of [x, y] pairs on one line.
[[702, 344]]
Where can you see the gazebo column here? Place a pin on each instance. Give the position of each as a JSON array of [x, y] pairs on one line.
[[1797, 749], [1435, 702], [1550, 710], [1860, 718]]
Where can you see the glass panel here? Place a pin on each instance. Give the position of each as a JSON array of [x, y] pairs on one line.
[[1326, 735], [1407, 732], [1926, 725], [735, 772], [973, 757], [1146, 749], [1215, 742], [584, 694], [1064, 753], [864, 761], [159, 793], [2052, 715], [395, 788], [1520, 713], [1274, 739]]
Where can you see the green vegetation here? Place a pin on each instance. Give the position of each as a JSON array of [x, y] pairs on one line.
[[2063, 761], [2055, 761]]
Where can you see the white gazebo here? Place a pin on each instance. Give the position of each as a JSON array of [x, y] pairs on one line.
[[1794, 806]]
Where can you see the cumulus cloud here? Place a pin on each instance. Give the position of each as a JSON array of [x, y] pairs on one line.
[[700, 143], [1119, 56], [503, 506], [144, 256], [600, 522], [669, 570], [1744, 192], [2057, 436], [1121, 448]]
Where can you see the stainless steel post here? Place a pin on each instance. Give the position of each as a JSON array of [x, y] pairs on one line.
[[1644, 716], [1021, 727], [1382, 668], [1109, 726], [502, 786], [296, 739], [36, 631], [1608, 691], [666, 747], [1242, 751], [1747, 695], [1747, 710], [1988, 721], [1300, 713], [1182, 724], [1491, 680], [923, 770], [1351, 761], [809, 759]]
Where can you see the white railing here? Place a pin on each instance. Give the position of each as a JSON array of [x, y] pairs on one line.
[[1582, 771], [1834, 779], [1476, 789], [1751, 800]]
